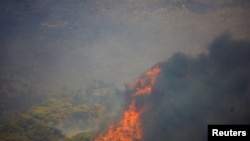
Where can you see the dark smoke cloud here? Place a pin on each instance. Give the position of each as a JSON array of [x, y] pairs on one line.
[[191, 93]]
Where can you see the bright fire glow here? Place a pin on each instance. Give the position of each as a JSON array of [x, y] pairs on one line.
[[129, 128]]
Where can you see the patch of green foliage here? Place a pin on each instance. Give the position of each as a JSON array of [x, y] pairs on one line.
[[28, 129]]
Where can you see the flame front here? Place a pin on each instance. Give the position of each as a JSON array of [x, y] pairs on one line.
[[129, 128]]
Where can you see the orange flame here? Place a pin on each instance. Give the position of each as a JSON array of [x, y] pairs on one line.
[[129, 128]]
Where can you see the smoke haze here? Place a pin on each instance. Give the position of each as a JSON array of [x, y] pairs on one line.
[[73, 42]]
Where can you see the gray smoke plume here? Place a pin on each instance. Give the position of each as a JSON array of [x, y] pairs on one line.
[[191, 93]]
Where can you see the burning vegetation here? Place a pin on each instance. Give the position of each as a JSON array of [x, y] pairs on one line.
[[129, 128]]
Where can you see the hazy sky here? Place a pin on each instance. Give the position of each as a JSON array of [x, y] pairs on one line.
[[72, 42]]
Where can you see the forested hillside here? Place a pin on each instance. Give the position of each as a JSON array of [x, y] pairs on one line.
[[31, 114]]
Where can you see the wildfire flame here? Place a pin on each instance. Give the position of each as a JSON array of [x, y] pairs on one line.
[[129, 128]]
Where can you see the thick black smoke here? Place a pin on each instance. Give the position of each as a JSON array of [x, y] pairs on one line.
[[191, 93]]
